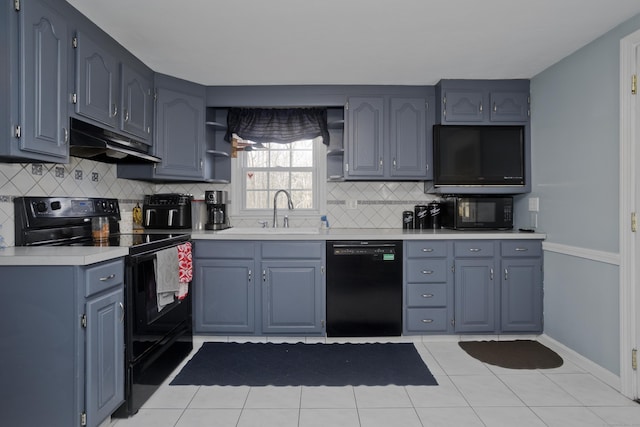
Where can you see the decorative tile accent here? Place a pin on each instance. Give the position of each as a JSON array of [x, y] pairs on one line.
[[78, 174], [36, 169], [59, 172], [94, 176]]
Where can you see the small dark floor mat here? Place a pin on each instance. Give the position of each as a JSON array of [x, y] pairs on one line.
[[518, 354]]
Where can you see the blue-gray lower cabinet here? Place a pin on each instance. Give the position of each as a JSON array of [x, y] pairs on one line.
[[252, 287], [428, 287], [62, 344], [498, 286]]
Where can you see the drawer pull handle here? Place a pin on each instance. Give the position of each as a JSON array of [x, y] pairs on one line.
[[474, 249], [109, 277], [427, 271], [427, 320], [521, 249], [427, 295], [427, 249]]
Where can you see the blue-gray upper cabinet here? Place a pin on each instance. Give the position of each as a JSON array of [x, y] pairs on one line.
[[136, 104], [96, 92], [179, 137], [483, 101], [387, 138], [34, 44]]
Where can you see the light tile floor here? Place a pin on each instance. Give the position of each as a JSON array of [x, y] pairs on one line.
[[470, 393]]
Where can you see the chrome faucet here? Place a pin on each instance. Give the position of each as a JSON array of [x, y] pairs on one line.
[[275, 207]]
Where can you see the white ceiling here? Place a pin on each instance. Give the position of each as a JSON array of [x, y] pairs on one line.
[[406, 42]]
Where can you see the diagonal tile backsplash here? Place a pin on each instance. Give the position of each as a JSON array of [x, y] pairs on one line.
[[377, 204]]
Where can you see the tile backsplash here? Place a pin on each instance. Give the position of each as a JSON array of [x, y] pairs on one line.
[[349, 204]]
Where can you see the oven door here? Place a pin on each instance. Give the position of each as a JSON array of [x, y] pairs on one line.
[[148, 328]]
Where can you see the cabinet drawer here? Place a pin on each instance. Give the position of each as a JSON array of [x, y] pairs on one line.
[[473, 248], [223, 249], [292, 249], [427, 294], [524, 248], [426, 249], [426, 319], [103, 276], [426, 270]]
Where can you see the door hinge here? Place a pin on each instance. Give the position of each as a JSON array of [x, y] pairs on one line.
[[83, 321], [74, 42], [74, 98], [16, 5], [83, 419], [634, 359], [634, 222], [634, 84], [18, 132]]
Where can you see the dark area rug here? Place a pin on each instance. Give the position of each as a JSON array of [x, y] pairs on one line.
[[261, 364], [518, 354]]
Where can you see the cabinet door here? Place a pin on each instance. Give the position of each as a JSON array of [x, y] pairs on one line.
[[104, 356], [365, 137], [474, 295], [292, 296], [224, 298], [408, 138], [521, 294], [136, 104], [462, 105], [179, 139], [96, 82], [509, 107], [43, 88]]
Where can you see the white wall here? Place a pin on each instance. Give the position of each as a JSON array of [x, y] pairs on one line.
[[575, 138]]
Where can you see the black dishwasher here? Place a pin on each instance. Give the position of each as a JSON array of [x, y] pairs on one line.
[[364, 288]]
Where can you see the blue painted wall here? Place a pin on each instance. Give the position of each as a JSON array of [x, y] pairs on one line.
[[575, 166]]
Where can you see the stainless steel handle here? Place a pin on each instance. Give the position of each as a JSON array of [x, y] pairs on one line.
[[427, 320], [491, 273], [264, 275], [115, 110], [394, 163], [109, 277], [474, 249], [427, 271], [427, 295], [521, 249], [427, 249], [506, 274], [172, 214], [481, 107], [495, 107], [121, 311], [380, 161], [126, 116], [66, 135], [250, 274]]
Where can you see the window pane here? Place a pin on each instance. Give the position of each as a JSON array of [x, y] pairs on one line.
[[257, 158], [302, 199], [279, 180], [302, 159], [280, 159], [301, 180], [257, 199], [257, 180]]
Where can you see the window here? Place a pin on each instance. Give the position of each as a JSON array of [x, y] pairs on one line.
[[262, 171]]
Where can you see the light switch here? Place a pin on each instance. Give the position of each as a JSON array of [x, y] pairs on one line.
[[534, 204]]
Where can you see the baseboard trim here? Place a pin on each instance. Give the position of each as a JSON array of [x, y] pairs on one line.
[[576, 358]]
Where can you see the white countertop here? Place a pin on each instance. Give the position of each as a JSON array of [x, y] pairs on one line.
[[363, 234], [59, 255], [85, 255]]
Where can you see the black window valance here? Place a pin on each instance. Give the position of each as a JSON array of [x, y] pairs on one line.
[[281, 125]]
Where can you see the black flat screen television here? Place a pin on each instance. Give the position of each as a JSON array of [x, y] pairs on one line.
[[478, 155]]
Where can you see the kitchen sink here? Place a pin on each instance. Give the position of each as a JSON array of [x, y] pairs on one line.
[[260, 230]]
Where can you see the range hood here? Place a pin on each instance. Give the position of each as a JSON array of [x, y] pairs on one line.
[[94, 143]]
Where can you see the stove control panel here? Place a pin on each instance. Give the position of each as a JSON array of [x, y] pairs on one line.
[[70, 207]]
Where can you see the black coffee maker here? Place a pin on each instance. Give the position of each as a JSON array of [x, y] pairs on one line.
[[216, 202]]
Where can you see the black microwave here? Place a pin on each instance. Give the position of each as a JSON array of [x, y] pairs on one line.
[[477, 212]]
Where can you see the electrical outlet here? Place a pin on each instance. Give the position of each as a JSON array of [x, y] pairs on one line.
[[534, 204]]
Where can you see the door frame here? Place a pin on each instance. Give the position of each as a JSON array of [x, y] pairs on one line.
[[629, 270]]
